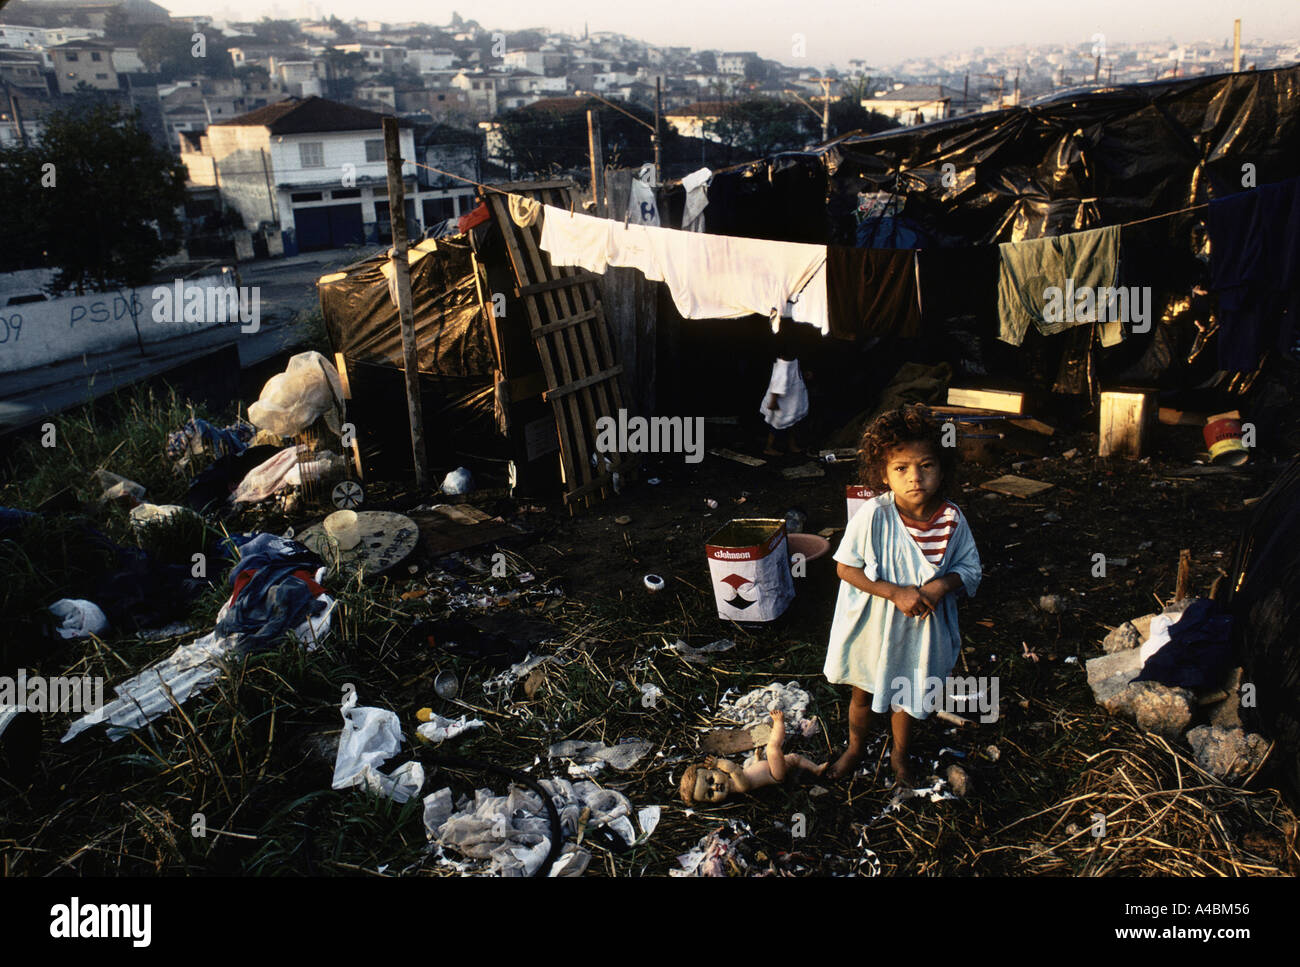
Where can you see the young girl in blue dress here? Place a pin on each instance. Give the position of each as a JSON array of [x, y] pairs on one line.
[[906, 557]]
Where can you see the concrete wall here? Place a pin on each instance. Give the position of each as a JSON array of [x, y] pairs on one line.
[[39, 333]]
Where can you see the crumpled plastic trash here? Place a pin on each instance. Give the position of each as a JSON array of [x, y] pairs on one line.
[[288, 468], [143, 515], [715, 854], [438, 729], [119, 488], [459, 481], [291, 401], [622, 756], [372, 736], [184, 673], [755, 708], [513, 831], [80, 618], [697, 655]]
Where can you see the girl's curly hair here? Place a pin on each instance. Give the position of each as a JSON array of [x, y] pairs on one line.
[[907, 424]]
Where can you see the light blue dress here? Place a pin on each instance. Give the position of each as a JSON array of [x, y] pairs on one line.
[[872, 643]]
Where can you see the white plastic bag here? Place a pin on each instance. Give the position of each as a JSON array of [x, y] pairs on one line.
[[291, 401], [80, 619]]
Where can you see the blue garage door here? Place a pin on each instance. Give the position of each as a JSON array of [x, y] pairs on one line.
[[328, 226]]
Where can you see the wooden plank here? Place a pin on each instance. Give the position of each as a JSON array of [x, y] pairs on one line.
[[583, 383], [580, 318], [1003, 401], [536, 288], [1013, 486], [737, 457], [497, 204], [1034, 426]]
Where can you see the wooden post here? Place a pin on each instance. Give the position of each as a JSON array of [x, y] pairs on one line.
[[1182, 589], [405, 308], [597, 152], [1126, 420], [1236, 45], [659, 176]]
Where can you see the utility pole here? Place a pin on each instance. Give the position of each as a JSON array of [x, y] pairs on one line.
[[1015, 97], [826, 108], [405, 308], [654, 138], [1236, 45], [596, 151]]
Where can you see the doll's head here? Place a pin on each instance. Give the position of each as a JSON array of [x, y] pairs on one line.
[[705, 783], [902, 439]]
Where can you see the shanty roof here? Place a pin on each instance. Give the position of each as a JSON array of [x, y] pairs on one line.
[[310, 115]]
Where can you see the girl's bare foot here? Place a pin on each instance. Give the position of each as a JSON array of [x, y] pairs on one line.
[[902, 770], [845, 765]]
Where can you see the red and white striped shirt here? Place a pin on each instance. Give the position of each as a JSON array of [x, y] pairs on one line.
[[932, 535]]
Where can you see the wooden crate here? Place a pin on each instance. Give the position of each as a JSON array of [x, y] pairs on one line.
[[1127, 418]]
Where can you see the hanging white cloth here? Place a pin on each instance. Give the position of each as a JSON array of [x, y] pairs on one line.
[[642, 208], [696, 199]]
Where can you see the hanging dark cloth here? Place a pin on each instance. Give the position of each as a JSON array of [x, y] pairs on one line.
[[1254, 254], [872, 292]]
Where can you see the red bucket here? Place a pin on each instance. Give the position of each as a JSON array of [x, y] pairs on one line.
[[1223, 436]]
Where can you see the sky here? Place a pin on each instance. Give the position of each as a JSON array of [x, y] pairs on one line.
[[834, 31]]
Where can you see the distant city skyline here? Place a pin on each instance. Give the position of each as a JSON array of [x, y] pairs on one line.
[[833, 31]]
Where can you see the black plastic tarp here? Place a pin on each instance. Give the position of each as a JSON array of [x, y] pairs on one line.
[[452, 334], [1076, 160], [1265, 602]]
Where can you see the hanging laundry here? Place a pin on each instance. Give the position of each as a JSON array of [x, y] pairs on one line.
[[1038, 279], [696, 199], [872, 292], [571, 238], [642, 208], [524, 211], [1254, 253]]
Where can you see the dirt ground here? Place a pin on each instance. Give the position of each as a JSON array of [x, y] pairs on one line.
[[255, 754]]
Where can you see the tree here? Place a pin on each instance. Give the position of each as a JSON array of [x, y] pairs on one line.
[[95, 199], [759, 126], [847, 115], [277, 32], [171, 53]]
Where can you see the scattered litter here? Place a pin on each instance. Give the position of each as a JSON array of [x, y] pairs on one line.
[[513, 831], [653, 481], [993, 752], [650, 694], [79, 618], [754, 708], [459, 481], [623, 520], [711, 503], [716, 853], [1013, 486], [372, 736], [144, 515], [653, 583], [437, 729], [737, 457], [1071, 453], [119, 488], [803, 472], [1052, 604], [696, 655], [622, 757], [291, 401]]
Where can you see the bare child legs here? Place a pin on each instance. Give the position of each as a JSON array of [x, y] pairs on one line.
[[861, 719]]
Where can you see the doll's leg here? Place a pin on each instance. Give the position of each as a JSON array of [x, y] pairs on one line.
[[860, 716], [794, 760], [776, 759]]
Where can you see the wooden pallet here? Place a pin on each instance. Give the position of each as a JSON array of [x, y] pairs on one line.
[[584, 379]]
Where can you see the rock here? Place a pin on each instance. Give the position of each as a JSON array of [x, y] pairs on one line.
[[993, 752], [1052, 604], [1154, 707], [1122, 639], [1229, 754], [1111, 674], [960, 781], [1227, 714], [1143, 625]]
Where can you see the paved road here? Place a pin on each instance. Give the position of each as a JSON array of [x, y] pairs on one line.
[[288, 286]]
